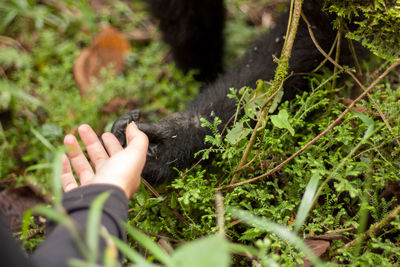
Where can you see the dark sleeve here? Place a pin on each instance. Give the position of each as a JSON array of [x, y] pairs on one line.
[[11, 253], [59, 247]]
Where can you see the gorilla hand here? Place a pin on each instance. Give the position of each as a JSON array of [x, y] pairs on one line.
[[173, 141], [119, 126]]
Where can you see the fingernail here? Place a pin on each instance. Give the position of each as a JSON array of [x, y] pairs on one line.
[[68, 139], [133, 125], [84, 128]]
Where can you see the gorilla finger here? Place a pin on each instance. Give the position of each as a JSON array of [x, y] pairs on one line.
[[152, 130], [119, 126]]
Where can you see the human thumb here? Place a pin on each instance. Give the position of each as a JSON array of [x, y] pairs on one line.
[[136, 139]]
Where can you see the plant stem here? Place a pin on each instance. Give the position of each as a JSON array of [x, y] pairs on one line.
[[220, 213], [372, 231], [280, 75], [353, 52], [338, 48]]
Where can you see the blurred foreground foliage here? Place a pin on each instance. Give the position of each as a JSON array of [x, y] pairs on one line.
[[348, 169]]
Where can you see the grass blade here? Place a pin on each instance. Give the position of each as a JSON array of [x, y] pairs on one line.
[[368, 121], [307, 201], [243, 249], [93, 224], [152, 246], [281, 231], [131, 253], [56, 177], [43, 140]]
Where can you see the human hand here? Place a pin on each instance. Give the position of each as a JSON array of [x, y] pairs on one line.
[[120, 166]]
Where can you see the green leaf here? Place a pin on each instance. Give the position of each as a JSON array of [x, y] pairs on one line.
[[80, 263], [243, 249], [5, 21], [281, 121], [275, 102], [52, 214], [26, 222], [209, 251], [41, 166], [344, 185], [56, 177], [281, 231], [250, 234], [42, 139], [148, 243], [237, 133], [131, 253], [368, 121], [306, 201], [93, 224]]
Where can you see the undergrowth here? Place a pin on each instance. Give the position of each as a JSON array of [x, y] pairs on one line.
[[335, 186]]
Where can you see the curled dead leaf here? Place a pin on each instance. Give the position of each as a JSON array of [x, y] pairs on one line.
[[109, 48], [318, 247], [347, 102]]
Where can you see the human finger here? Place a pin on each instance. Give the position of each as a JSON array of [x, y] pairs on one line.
[[78, 160], [111, 143], [94, 148], [67, 178], [137, 140]]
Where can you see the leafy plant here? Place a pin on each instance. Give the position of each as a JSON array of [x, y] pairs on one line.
[[376, 24]]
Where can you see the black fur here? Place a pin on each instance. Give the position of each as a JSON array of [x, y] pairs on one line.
[[174, 139], [193, 28]]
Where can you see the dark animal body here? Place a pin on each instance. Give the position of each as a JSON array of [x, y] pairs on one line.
[[194, 31]]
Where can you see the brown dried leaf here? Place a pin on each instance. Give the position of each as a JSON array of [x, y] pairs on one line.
[[117, 104], [142, 35], [330, 237], [318, 247], [392, 189], [347, 102], [109, 48]]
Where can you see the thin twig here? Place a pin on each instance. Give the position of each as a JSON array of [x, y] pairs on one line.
[[353, 51], [338, 231], [161, 236], [338, 48], [3, 74], [220, 212], [236, 222], [156, 194], [34, 232], [315, 139], [10, 41], [254, 158], [371, 232], [325, 59]]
